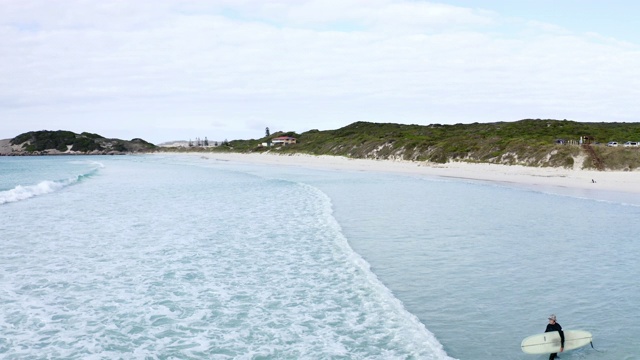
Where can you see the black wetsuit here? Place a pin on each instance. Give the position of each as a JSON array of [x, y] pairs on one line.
[[558, 328]]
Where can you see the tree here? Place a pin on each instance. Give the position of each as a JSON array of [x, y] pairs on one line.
[[267, 133]]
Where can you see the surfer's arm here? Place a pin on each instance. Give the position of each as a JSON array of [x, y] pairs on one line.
[[561, 339]]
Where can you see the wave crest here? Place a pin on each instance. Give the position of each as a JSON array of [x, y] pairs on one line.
[[21, 192]]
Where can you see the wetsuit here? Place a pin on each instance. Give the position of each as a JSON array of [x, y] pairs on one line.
[[558, 328]]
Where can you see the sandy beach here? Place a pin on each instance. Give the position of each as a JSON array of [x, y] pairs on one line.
[[619, 181]]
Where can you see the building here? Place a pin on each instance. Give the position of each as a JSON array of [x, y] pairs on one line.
[[283, 140]]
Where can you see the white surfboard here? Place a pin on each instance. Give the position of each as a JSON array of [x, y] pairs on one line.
[[548, 343]]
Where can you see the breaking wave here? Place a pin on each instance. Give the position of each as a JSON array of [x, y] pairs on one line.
[[24, 192]]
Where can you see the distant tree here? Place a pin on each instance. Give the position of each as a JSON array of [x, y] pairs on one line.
[[206, 141], [266, 132], [190, 143]]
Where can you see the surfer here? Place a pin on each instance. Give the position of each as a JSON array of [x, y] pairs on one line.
[[554, 326]]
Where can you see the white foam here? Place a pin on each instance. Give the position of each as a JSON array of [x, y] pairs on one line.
[[25, 192], [190, 261], [420, 337], [250, 279]]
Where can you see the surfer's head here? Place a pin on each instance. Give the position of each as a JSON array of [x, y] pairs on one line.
[[552, 317]]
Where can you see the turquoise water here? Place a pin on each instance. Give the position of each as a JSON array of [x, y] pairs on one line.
[[183, 257]]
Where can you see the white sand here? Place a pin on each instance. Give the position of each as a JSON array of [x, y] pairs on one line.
[[621, 181]]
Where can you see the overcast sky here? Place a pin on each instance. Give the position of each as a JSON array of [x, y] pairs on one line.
[[227, 69]]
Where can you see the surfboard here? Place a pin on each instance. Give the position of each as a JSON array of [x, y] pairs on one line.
[[548, 343]]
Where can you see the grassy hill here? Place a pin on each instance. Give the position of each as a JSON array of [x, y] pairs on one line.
[[530, 142]]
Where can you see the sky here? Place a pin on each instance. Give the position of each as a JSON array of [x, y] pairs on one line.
[[165, 70]]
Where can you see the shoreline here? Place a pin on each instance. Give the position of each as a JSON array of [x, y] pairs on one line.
[[559, 178]]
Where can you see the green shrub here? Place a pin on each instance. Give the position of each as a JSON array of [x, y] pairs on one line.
[[83, 144]]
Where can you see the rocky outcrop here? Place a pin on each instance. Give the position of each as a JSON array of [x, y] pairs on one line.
[[69, 143], [6, 147]]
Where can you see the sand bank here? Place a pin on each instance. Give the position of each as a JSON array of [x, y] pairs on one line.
[[619, 181]]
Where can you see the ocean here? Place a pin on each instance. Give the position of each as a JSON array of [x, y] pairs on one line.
[[184, 257]]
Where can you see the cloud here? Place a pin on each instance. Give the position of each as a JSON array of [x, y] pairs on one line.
[[235, 67]]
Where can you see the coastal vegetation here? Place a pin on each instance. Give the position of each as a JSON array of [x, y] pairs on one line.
[[530, 142], [47, 142]]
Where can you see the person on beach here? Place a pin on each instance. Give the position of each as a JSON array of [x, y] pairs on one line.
[[554, 326]]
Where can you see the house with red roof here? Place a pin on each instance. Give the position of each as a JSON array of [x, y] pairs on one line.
[[283, 140]]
